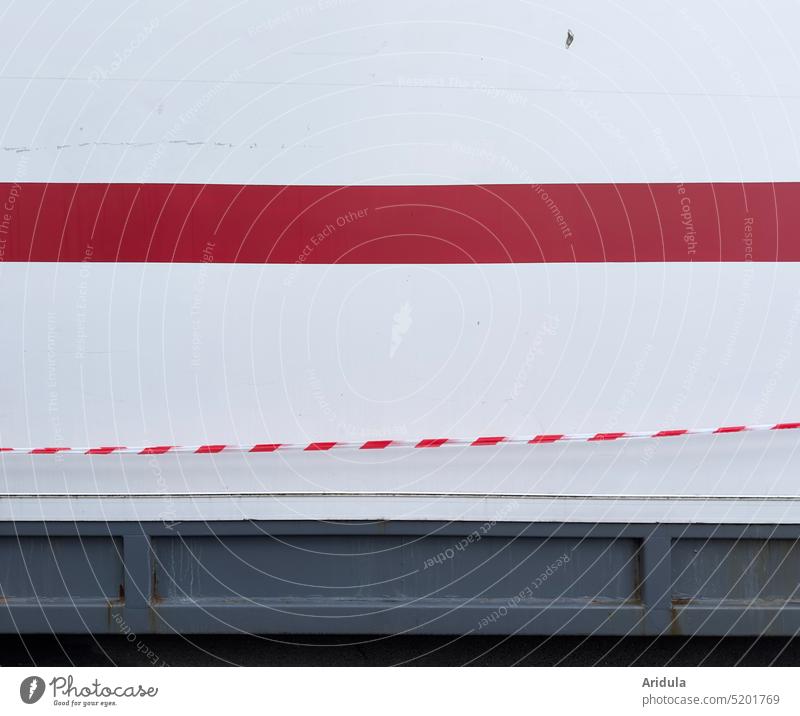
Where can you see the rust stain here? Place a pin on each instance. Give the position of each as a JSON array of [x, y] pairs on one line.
[[154, 596], [675, 622], [153, 616], [638, 571]]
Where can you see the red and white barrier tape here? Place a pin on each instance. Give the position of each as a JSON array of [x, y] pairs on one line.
[[383, 444]]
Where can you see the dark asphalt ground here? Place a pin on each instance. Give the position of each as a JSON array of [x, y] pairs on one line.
[[395, 651]]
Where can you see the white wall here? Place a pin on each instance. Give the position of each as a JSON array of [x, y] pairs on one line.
[[394, 93]]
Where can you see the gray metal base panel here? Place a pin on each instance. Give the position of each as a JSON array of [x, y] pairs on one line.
[[275, 577]]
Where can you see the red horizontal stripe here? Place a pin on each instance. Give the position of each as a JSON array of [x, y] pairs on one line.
[[320, 446], [731, 429], [156, 450], [376, 444], [606, 436], [103, 450], [210, 449], [669, 433], [265, 447], [786, 426], [49, 450], [431, 442], [401, 224], [546, 438], [488, 441]]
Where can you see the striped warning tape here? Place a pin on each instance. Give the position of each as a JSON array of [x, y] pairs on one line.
[[384, 444]]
